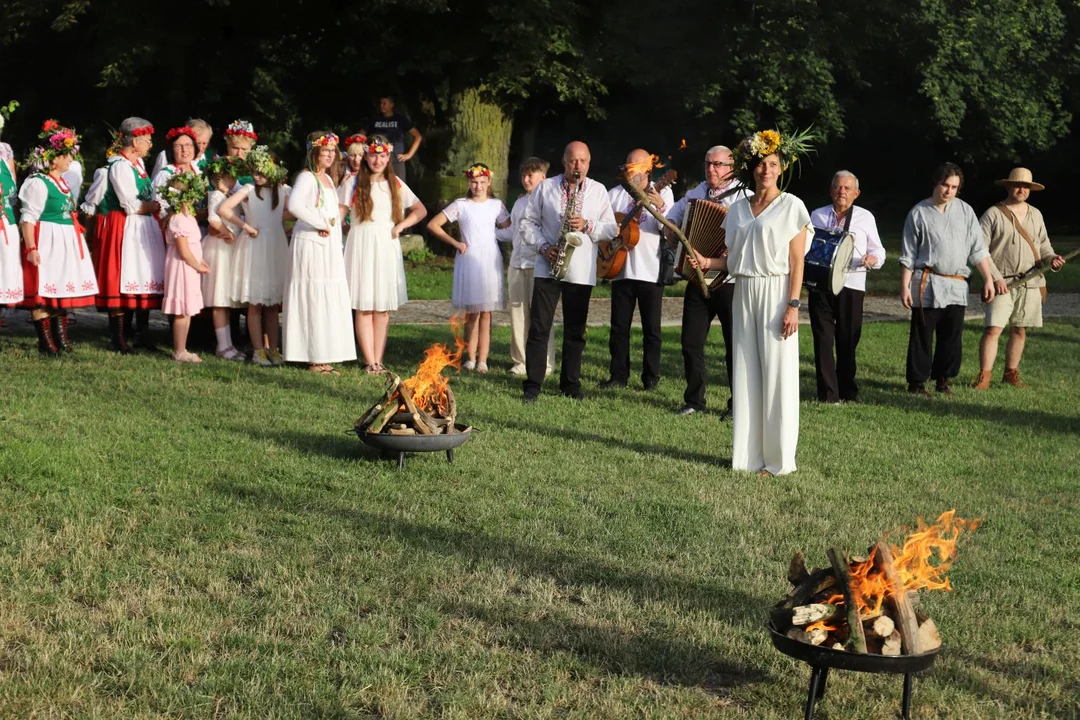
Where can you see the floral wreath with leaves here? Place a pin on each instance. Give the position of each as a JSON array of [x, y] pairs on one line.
[[146, 130], [183, 190], [57, 141], [375, 147], [228, 165], [763, 143], [323, 141], [261, 162], [478, 170], [242, 128]]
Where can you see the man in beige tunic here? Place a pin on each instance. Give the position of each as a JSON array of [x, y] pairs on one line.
[[1017, 240]]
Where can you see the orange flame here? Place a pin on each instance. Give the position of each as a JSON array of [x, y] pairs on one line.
[[428, 386], [682, 144], [822, 625], [922, 563], [632, 169]]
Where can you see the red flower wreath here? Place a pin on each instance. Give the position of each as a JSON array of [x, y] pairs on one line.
[[49, 126], [177, 132], [357, 139], [146, 130]]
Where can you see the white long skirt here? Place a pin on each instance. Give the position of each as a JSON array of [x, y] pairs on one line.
[[374, 267], [217, 284], [316, 314], [764, 378], [11, 272]]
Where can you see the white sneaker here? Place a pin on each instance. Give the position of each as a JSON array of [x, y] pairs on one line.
[[468, 365], [481, 367], [231, 353], [517, 369]]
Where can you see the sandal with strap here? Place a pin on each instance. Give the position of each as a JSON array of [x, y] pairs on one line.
[[186, 357], [372, 369]]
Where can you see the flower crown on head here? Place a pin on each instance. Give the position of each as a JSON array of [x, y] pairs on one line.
[[478, 170], [229, 165], [57, 140], [183, 190], [261, 162], [178, 131], [357, 139], [375, 147], [761, 144], [323, 141], [115, 146], [145, 130], [242, 128]]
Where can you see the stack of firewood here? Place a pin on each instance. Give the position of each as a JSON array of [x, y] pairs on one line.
[[396, 413], [823, 608]]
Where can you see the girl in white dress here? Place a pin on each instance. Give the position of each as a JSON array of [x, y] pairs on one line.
[[766, 237], [478, 271], [261, 253], [316, 304], [377, 202], [56, 267]]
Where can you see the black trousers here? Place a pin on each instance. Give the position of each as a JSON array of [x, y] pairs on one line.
[[649, 298], [698, 314], [948, 324], [836, 320], [545, 297]]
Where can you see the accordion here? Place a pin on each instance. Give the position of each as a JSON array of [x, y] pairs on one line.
[[702, 227]]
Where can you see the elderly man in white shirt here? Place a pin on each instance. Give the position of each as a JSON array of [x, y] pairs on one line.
[[590, 213], [723, 187], [836, 320]]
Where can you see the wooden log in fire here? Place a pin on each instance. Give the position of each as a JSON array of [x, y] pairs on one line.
[[410, 407], [797, 572], [880, 627], [806, 614], [897, 598], [384, 415], [856, 638]]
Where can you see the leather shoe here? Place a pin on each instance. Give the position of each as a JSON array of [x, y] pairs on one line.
[[528, 398], [573, 396], [917, 389], [611, 384], [650, 385], [943, 387], [687, 410]]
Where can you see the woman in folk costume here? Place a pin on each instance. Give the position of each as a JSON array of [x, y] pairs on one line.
[[478, 272], [219, 248], [180, 150], [11, 275], [57, 271], [377, 202], [130, 255], [766, 238], [261, 254], [316, 304], [93, 201]]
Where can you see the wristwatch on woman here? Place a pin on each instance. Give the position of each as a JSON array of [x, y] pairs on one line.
[[796, 303]]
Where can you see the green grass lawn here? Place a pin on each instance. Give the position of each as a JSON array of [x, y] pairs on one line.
[[434, 279], [209, 542]]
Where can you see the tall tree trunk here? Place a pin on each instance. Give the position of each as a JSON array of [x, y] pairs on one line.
[[480, 134]]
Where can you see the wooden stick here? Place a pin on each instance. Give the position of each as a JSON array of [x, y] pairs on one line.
[[856, 638], [905, 619], [639, 197], [797, 569], [410, 407], [384, 416]]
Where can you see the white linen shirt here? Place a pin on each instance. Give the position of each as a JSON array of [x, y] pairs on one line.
[[522, 255], [865, 233], [642, 260], [544, 217], [945, 241], [759, 246]]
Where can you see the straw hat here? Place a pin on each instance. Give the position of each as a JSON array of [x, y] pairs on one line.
[[1020, 176]]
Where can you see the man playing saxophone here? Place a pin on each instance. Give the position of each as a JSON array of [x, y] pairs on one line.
[[566, 209]]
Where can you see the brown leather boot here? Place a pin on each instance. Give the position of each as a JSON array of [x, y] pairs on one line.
[[1012, 377], [982, 380]]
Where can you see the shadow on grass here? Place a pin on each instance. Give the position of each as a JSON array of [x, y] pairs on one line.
[[969, 674], [665, 658]]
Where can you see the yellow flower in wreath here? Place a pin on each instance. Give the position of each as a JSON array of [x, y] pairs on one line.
[[771, 140]]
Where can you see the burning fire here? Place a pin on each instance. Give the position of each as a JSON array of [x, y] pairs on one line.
[[922, 563], [632, 169], [682, 144], [428, 386]]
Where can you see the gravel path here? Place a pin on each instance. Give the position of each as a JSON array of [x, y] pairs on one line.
[[435, 312]]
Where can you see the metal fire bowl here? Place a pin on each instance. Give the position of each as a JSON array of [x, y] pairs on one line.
[[401, 444], [824, 657]]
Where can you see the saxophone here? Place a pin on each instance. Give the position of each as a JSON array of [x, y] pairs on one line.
[[567, 240]]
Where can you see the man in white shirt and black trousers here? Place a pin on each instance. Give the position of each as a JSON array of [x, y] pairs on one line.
[[542, 226], [638, 283], [837, 319], [722, 187]]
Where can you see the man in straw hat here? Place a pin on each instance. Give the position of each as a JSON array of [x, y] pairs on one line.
[[1017, 241]]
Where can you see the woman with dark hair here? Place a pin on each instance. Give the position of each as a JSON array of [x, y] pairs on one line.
[[381, 208], [57, 272], [941, 237], [180, 149], [766, 237], [316, 305], [130, 255]]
